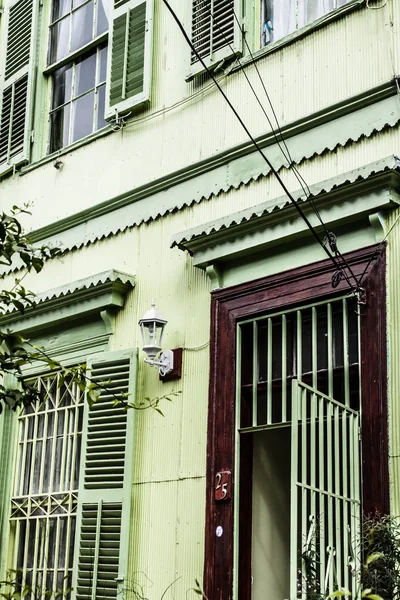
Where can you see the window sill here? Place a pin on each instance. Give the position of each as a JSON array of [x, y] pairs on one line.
[[76, 53], [67, 149], [297, 35]]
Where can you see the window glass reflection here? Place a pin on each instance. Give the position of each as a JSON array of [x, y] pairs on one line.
[[62, 85], [101, 104], [82, 26], [103, 65], [85, 74], [60, 120], [83, 116], [60, 9], [102, 16], [59, 39]]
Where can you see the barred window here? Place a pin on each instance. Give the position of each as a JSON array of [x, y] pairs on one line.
[[46, 481]]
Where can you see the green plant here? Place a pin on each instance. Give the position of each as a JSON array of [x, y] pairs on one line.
[[378, 577], [14, 587]]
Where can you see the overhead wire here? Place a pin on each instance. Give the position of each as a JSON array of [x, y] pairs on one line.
[[341, 272], [329, 235]]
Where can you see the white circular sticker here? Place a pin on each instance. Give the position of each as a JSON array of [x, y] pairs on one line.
[[219, 531]]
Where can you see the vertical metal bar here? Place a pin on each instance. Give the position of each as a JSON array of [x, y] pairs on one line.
[[329, 460], [34, 444], [63, 450], [294, 491], [255, 373], [35, 558], [299, 347], [75, 433], [314, 346], [56, 553], [357, 485], [304, 398], [284, 368], [345, 475], [269, 373], [330, 349], [346, 354], [321, 484], [45, 543], [44, 446], [338, 415], [20, 487]]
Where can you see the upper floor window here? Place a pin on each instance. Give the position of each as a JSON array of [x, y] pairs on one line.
[[75, 24], [78, 98], [99, 67], [281, 17]]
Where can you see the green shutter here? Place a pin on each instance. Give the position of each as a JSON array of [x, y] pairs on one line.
[[16, 83], [216, 34], [100, 558], [129, 69]]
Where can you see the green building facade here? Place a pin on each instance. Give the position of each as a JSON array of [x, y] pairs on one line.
[[284, 428]]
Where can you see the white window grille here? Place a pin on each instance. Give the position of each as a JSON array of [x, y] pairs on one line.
[[46, 481]]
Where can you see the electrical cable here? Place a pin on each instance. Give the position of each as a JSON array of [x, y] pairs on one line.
[[341, 272], [329, 236]]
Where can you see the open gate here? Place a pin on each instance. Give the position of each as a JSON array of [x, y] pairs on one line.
[[325, 493]]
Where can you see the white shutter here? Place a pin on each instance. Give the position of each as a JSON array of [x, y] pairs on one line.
[[130, 56], [325, 492], [100, 558], [16, 82], [216, 34]]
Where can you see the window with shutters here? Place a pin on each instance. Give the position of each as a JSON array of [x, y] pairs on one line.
[[216, 32], [78, 35], [281, 17], [15, 83], [71, 495]]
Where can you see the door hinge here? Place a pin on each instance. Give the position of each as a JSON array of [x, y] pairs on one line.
[[32, 136]]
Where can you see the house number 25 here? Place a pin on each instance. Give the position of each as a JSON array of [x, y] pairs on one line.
[[223, 486]]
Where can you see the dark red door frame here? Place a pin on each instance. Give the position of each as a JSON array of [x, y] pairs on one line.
[[228, 306]]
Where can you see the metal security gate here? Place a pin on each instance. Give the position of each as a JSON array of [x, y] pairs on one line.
[[298, 373], [325, 493]]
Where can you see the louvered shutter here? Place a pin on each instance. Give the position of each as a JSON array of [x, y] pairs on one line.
[[215, 32], [101, 545], [16, 83], [129, 68]]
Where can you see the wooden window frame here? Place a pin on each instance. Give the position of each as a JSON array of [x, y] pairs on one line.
[[291, 288]]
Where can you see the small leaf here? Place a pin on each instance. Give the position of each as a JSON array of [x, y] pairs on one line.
[[373, 556]]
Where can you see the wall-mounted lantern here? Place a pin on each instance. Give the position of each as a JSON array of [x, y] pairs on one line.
[[168, 362]]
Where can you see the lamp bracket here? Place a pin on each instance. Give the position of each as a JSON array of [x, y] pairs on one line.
[[164, 362]]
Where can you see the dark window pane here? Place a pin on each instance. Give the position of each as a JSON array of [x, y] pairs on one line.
[[60, 9], [102, 16], [59, 128], [85, 74], [82, 26], [83, 116], [101, 102], [59, 39], [62, 79], [103, 65]]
